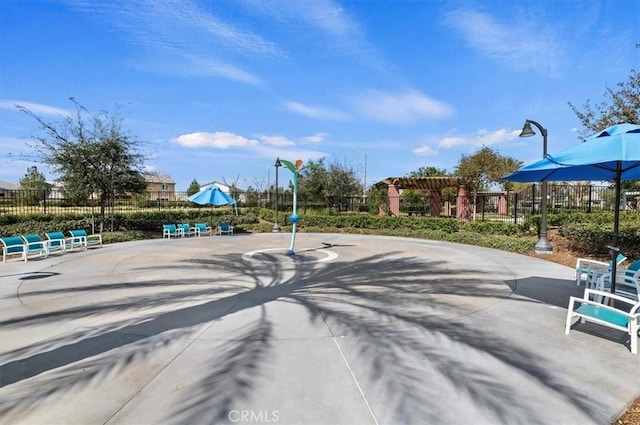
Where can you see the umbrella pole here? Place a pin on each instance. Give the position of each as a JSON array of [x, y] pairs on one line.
[[616, 220]]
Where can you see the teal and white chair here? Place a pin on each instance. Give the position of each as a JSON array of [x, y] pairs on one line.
[[627, 281], [593, 307], [203, 229], [80, 238], [225, 228], [57, 241], [593, 269], [171, 231], [13, 246], [188, 230], [35, 245]]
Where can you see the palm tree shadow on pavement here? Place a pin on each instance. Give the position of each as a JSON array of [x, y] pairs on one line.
[[391, 312]]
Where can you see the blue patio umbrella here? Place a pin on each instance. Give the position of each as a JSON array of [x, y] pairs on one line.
[[212, 195], [612, 154]]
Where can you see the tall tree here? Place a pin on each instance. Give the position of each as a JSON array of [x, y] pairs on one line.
[[330, 183], [621, 104], [343, 183], [91, 154], [485, 168], [193, 188], [313, 182], [36, 186], [429, 172]]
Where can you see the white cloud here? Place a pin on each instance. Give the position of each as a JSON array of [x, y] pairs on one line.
[[424, 150], [198, 65], [519, 45], [36, 108], [276, 140], [481, 138], [313, 111], [262, 146], [400, 108], [315, 138], [325, 15], [181, 37], [219, 140], [331, 18]]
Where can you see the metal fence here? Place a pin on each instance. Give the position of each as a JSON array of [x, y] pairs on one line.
[[500, 206]]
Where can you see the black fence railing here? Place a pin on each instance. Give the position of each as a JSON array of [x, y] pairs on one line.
[[499, 206]]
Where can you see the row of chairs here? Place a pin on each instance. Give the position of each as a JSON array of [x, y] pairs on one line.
[[32, 244], [595, 307], [199, 229], [597, 276]]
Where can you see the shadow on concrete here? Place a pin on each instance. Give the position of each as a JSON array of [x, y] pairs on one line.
[[545, 290], [391, 310]]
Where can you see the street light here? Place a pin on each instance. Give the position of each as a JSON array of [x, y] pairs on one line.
[[276, 226], [542, 246]]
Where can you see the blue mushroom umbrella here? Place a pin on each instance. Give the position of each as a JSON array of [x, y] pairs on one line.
[[212, 195], [612, 154]]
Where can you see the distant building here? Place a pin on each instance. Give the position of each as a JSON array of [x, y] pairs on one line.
[[7, 189], [56, 191], [161, 187], [238, 194]]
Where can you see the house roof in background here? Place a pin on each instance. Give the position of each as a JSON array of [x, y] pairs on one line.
[[157, 178], [9, 186], [224, 187]]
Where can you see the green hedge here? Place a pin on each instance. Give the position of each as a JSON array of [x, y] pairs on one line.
[[595, 237], [586, 233], [148, 222]]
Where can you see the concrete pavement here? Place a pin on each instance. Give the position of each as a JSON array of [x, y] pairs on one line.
[[351, 330]]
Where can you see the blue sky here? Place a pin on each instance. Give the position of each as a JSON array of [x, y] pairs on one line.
[[218, 89]]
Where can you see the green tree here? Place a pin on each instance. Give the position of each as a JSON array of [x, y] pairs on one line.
[[313, 181], [333, 183], [36, 186], [429, 172], [343, 183], [91, 154], [194, 188], [377, 200], [486, 168], [252, 196], [620, 105]]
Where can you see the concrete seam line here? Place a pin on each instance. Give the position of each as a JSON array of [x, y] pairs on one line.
[[364, 397]]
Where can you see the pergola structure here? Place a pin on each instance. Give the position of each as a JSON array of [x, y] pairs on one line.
[[434, 185]]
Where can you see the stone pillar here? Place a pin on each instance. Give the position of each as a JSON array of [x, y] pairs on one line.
[[462, 204], [436, 199], [394, 200], [502, 204]]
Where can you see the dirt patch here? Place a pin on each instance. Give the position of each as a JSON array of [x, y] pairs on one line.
[[631, 416]]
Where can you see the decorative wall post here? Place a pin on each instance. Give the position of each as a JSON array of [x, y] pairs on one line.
[[394, 200], [295, 169], [436, 200], [462, 204]]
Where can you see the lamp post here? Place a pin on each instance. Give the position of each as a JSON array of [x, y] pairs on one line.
[[542, 246], [276, 226]]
